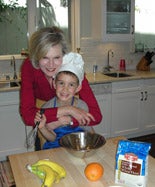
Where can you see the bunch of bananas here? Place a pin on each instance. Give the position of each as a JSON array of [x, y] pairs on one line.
[[49, 172]]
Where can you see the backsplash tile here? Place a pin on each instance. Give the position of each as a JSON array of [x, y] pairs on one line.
[[94, 52]]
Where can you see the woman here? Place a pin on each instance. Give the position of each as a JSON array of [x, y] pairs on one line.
[[46, 49]]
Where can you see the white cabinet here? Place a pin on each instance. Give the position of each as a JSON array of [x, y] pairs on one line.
[[103, 95], [118, 20], [125, 107], [12, 129], [133, 106], [148, 105]]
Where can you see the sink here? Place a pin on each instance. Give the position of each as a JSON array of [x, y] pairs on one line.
[[9, 84], [14, 84], [115, 74]]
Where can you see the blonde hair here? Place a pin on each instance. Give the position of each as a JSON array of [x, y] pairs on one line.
[[42, 40]]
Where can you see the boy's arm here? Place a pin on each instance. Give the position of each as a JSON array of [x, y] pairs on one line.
[[48, 135], [62, 121]]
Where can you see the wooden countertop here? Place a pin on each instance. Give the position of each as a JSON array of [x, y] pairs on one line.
[[74, 166]]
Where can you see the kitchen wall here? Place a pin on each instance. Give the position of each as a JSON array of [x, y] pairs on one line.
[[7, 69], [96, 52]]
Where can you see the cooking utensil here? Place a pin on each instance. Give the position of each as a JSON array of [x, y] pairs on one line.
[[31, 137], [82, 144]]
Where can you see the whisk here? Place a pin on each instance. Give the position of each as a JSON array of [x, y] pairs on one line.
[[31, 137]]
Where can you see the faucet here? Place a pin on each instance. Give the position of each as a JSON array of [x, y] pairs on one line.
[[13, 63], [108, 67]]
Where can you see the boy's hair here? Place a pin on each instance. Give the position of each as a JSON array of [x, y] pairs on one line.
[[67, 73]]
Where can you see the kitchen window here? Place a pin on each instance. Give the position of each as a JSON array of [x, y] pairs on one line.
[[144, 25], [36, 14]]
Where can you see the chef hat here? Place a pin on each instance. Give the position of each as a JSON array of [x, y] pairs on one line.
[[74, 63]]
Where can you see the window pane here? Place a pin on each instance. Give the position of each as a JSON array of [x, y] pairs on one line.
[[144, 24], [14, 23], [13, 27], [55, 13]]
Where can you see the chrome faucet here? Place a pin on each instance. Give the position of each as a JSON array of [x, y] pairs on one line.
[[108, 67], [13, 63]]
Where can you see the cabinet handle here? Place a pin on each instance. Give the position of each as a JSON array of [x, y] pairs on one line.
[[145, 96], [142, 96], [132, 32]]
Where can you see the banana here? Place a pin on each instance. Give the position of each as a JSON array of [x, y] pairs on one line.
[[50, 175], [56, 167], [34, 170]]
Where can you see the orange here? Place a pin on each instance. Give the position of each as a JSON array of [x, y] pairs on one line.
[[94, 171]]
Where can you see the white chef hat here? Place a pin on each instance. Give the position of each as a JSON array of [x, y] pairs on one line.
[[74, 63]]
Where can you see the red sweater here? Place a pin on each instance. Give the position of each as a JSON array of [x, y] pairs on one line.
[[35, 86]]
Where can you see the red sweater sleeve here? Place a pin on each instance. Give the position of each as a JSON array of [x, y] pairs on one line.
[[34, 86], [87, 95]]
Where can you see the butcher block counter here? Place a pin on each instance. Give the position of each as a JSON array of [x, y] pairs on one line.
[[74, 166]]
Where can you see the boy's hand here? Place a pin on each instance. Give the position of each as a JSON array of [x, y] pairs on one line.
[[41, 119]]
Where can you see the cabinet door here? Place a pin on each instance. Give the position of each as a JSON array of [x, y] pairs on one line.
[[12, 133], [118, 20], [125, 108], [104, 102], [103, 96], [148, 105]]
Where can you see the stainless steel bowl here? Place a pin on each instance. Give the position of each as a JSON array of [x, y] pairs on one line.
[[82, 144]]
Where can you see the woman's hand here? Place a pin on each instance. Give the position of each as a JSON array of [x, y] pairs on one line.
[[65, 120], [80, 115]]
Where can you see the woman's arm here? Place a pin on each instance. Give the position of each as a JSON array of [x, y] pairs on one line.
[[62, 121], [82, 117], [87, 96], [34, 85]]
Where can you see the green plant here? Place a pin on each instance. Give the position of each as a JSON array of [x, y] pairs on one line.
[[6, 10]]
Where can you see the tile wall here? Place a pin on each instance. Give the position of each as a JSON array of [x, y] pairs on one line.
[[94, 52]]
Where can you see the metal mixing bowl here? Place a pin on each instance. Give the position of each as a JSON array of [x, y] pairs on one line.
[[82, 144]]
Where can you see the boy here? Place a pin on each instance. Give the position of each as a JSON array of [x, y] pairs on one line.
[[67, 84]]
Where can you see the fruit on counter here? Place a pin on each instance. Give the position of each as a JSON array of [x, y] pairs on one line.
[[47, 175], [55, 166], [34, 170], [49, 172], [94, 171], [50, 175]]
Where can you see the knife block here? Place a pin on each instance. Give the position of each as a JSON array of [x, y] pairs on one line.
[[143, 65]]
